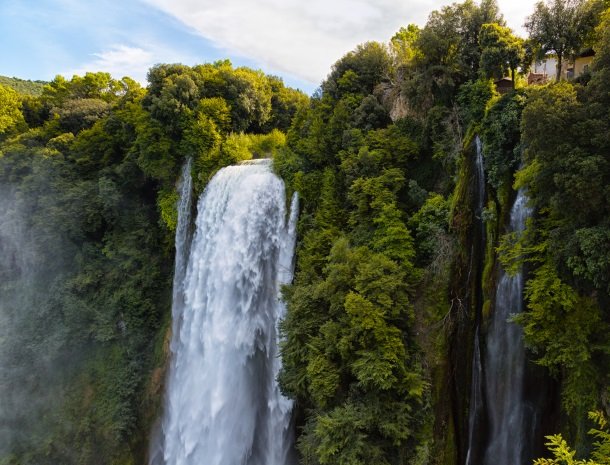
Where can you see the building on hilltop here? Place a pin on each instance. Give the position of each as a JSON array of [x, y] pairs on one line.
[[504, 85], [545, 70], [581, 64]]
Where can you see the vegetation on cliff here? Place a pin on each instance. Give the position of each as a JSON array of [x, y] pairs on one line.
[[390, 274], [403, 177]]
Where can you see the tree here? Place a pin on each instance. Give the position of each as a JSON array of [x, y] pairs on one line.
[[403, 44], [77, 114], [562, 27], [501, 138], [359, 71], [347, 349], [563, 454], [501, 51], [285, 102], [10, 114], [448, 50]]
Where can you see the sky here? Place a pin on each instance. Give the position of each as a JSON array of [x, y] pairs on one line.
[[295, 39]]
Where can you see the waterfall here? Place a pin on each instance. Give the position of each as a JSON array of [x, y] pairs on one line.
[[505, 363], [497, 419], [182, 242], [480, 178], [223, 404], [476, 401], [476, 411]]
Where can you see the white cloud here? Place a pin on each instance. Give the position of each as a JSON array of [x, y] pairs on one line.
[[304, 38], [300, 38], [515, 12], [119, 61]]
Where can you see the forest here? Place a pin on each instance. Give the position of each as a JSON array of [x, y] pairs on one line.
[[397, 265]]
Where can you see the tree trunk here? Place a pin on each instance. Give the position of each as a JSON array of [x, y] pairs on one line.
[[559, 63]]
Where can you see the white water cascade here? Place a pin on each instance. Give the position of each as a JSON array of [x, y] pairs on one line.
[[505, 363], [476, 390], [223, 404]]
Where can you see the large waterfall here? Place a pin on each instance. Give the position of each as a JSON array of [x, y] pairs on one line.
[[223, 403], [505, 363]]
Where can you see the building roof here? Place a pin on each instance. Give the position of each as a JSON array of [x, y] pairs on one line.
[[589, 52]]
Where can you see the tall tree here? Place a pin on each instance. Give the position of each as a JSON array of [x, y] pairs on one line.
[[403, 44], [563, 26], [501, 51], [448, 49], [10, 114]]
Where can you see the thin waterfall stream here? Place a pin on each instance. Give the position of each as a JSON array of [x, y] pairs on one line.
[[505, 363], [477, 411], [223, 403], [497, 423]]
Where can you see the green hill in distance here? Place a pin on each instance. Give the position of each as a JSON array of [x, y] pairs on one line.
[[23, 86]]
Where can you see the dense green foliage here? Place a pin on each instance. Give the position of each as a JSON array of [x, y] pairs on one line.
[[502, 52], [391, 276], [392, 179], [87, 211], [375, 239], [567, 174], [11, 118], [349, 352], [563, 454], [500, 133], [449, 53]]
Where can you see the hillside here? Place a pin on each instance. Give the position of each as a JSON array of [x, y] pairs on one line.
[[23, 86]]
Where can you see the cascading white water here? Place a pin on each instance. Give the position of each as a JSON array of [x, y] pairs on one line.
[[182, 242], [505, 363], [476, 389], [476, 400], [223, 403], [480, 178]]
